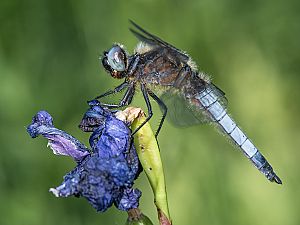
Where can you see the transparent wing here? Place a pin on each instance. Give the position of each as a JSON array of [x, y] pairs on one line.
[[155, 41], [179, 112], [184, 112]]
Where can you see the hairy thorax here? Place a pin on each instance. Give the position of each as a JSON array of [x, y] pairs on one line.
[[159, 69]]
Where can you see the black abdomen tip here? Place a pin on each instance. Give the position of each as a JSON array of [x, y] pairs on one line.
[[276, 179]]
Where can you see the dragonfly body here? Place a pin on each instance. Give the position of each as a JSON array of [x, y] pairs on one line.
[[159, 68]]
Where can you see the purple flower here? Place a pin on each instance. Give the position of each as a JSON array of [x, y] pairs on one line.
[[101, 182], [59, 141], [111, 136], [104, 175]]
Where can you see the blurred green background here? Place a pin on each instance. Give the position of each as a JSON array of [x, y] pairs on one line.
[[49, 54]]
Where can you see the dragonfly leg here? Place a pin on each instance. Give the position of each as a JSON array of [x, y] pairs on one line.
[[164, 109], [149, 107], [116, 90], [126, 100]]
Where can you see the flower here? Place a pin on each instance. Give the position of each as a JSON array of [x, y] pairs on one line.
[[103, 175], [59, 141]]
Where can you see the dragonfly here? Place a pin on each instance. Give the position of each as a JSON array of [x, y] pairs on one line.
[[170, 77]]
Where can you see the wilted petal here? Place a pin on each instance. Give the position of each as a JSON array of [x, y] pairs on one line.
[[129, 199], [59, 141], [100, 181], [113, 139], [104, 176], [111, 136], [40, 121], [64, 144], [95, 117]]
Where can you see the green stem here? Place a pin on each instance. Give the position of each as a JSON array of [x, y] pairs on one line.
[[149, 155]]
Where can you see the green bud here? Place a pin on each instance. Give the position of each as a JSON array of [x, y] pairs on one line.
[[143, 220], [136, 217]]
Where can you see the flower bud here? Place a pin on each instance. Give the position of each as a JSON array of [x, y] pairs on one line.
[[136, 217]]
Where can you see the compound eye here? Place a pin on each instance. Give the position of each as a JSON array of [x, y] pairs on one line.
[[106, 64], [116, 58]]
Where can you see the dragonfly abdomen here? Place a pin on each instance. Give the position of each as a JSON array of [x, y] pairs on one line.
[[210, 102], [247, 147]]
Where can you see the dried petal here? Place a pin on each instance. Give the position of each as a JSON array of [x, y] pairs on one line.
[[129, 199], [101, 182], [41, 120], [95, 117], [104, 176], [59, 141], [111, 136], [111, 140]]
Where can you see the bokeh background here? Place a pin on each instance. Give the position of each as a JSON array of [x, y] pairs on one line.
[[49, 54]]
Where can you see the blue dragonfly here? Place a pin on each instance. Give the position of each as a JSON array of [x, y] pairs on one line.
[[170, 77]]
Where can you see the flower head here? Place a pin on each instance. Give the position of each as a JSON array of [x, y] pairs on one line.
[[105, 174]]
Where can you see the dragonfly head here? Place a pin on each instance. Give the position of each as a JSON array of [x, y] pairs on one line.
[[115, 61]]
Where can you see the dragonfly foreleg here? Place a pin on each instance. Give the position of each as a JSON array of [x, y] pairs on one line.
[[115, 90], [126, 100]]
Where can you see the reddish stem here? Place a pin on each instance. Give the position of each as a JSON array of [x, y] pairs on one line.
[[163, 219]]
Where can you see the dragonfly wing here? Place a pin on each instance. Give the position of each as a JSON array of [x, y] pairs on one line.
[[179, 112], [183, 112], [155, 41]]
